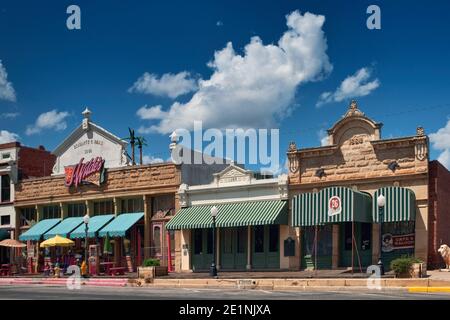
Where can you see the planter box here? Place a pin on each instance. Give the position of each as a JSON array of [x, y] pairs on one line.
[[419, 270], [152, 272]]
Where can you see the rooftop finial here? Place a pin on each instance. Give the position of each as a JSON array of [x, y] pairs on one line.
[[86, 113], [353, 110], [353, 105]]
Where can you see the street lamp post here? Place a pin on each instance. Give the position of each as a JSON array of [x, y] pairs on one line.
[[381, 201], [86, 223], [213, 269]]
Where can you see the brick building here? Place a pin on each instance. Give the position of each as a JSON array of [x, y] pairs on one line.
[[18, 162], [128, 205], [335, 190]]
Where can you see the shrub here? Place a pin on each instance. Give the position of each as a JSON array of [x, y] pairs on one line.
[[403, 264], [151, 263]]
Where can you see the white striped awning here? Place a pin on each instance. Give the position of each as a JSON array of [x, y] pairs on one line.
[[400, 205]]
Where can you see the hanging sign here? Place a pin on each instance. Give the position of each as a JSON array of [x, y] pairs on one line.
[[395, 242], [334, 206], [91, 172]]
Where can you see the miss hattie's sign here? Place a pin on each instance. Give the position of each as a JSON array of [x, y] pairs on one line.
[[334, 206], [91, 172]]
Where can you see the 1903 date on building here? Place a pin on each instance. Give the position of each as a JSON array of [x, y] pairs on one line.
[[225, 310]]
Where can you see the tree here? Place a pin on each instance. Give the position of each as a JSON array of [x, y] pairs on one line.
[[140, 143], [132, 139]]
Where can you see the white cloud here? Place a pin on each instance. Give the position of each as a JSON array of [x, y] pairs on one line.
[[6, 136], [7, 91], [323, 137], [255, 89], [353, 86], [9, 115], [171, 85], [151, 113], [49, 120], [441, 141], [151, 159]]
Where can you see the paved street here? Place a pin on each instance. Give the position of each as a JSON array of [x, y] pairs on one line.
[[46, 292]]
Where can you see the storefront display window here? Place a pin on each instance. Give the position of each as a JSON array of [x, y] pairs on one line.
[[133, 205], [274, 238], [76, 209], [241, 240], [27, 216], [51, 212], [259, 239]]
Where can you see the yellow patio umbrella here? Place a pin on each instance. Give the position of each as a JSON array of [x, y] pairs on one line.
[[57, 241]]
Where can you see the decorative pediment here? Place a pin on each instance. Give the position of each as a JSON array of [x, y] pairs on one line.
[[232, 174]]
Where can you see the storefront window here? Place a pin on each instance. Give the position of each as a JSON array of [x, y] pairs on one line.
[[156, 239], [27, 216], [5, 220], [274, 238], [209, 245], [103, 207], [348, 236], [133, 205], [51, 212], [76, 209], [5, 188], [227, 240], [366, 235], [259, 239], [241, 237], [198, 241]]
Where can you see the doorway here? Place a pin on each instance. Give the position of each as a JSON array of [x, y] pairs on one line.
[[233, 251], [202, 249]]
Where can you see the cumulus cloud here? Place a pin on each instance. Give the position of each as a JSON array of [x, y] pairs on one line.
[[49, 120], [353, 86], [9, 115], [323, 137], [441, 141], [7, 91], [151, 113], [6, 136], [151, 159], [170, 85], [255, 89]]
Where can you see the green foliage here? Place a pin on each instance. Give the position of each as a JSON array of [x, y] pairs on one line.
[[151, 263], [403, 264]]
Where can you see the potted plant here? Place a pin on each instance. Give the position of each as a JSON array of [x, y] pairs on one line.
[[408, 267], [152, 268]]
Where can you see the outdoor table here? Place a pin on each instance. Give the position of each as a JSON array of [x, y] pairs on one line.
[[107, 266]]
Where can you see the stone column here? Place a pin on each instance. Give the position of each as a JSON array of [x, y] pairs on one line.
[[249, 248], [64, 210], [89, 208], [39, 213], [421, 237], [375, 242], [147, 226], [335, 250], [17, 223]]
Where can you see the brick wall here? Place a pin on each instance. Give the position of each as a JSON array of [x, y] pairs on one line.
[[35, 162], [439, 211], [136, 180]]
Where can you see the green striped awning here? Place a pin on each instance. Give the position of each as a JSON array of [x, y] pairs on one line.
[[95, 224], [238, 214], [310, 209], [120, 225], [36, 231], [64, 228], [400, 205]]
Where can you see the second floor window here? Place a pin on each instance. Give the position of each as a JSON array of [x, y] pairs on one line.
[[76, 209], [51, 212], [133, 205], [5, 184], [27, 216], [103, 207]]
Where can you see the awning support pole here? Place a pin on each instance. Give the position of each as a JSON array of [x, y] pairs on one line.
[[353, 244]]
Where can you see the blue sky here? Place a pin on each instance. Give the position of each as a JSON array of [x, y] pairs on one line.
[[403, 68]]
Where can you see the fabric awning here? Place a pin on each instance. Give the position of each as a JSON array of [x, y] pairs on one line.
[[120, 225], [238, 214], [64, 228], [35, 232], [95, 224], [400, 205], [331, 205]]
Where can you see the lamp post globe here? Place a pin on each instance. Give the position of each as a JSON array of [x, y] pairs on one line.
[[381, 202], [213, 268]]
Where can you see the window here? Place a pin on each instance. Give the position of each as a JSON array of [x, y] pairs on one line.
[[103, 207], [76, 209], [198, 241], [366, 235], [5, 220], [6, 155], [274, 238], [133, 205], [348, 236], [6, 188], [157, 240], [259, 239], [51, 212], [228, 240], [209, 244], [27, 216], [241, 240]]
